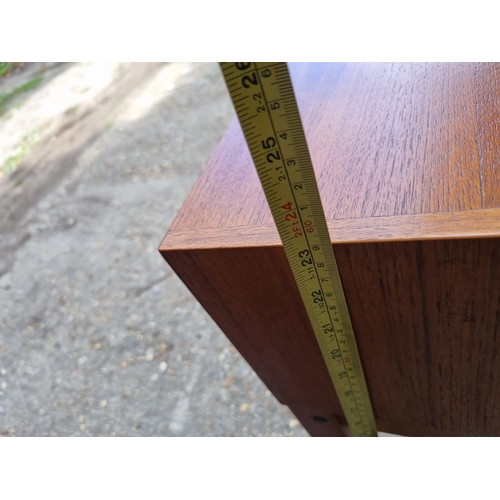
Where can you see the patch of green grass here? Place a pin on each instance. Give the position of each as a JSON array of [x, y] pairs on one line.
[[19, 103], [29, 85], [29, 141], [6, 67]]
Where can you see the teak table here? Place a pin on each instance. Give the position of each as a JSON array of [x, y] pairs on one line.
[[408, 167]]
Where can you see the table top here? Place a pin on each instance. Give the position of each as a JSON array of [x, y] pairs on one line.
[[400, 151]]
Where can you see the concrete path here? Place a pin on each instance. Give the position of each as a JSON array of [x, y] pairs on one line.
[[98, 337]]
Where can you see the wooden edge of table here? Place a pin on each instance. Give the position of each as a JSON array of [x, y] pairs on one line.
[[431, 226]]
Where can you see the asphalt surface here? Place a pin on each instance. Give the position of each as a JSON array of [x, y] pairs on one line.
[[98, 337]]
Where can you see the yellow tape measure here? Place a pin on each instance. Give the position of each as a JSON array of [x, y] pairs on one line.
[[264, 100]]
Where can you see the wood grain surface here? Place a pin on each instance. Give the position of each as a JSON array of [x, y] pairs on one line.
[[251, 294], [385, 139], [426, 317], [406, 157]]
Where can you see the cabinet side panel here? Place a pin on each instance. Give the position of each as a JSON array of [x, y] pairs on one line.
[[251, 294], [425, 316]]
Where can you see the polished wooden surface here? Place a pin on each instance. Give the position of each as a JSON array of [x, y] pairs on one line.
[[385, 139], [426, 317], [406, 158], [251, 295]]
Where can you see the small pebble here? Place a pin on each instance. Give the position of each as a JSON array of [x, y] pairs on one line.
[[97, 346], [244, 407], [294, 423], [1, 409], [154, 377], [150, 354], [123, 364], [3, 385], [162, 367], [103, 403], [3, 371]]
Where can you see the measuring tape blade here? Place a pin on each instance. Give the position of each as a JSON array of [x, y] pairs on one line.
[[264, 100]]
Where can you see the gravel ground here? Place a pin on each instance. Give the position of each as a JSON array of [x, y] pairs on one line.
[[98, 337]]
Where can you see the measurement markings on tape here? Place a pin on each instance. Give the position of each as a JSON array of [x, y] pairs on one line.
[[264, 100]]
